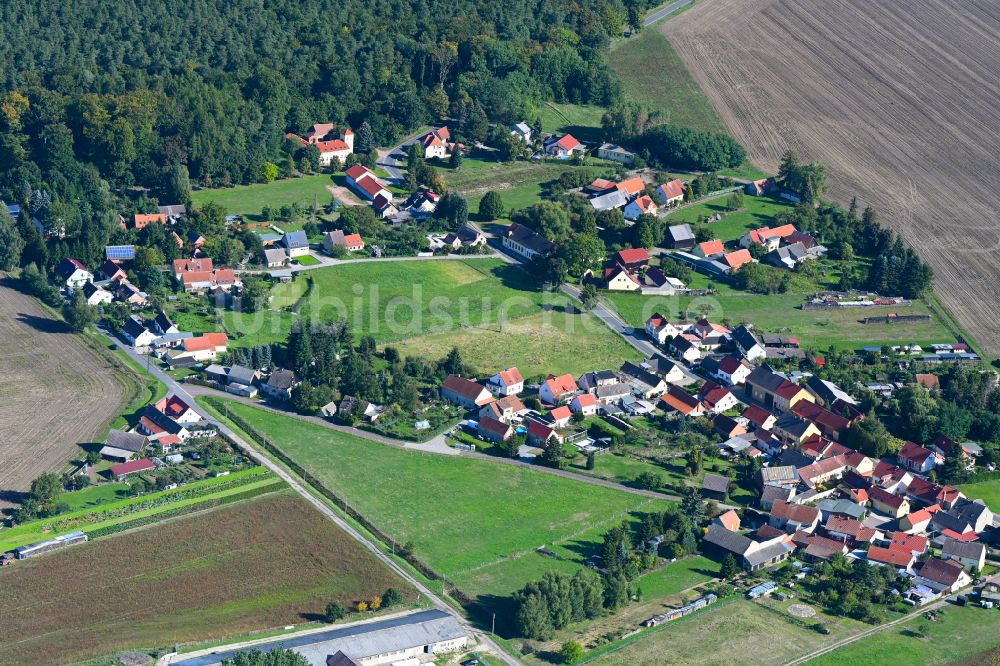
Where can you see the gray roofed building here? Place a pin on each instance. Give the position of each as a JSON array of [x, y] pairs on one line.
[[641, 378], [612, 392], [770, 552], [173, 210], [680, 236], [969, 553], [591, 380], [788, 256], [163, 325], [841, 507], [610, 200], [976, 512], [715, 484], [784, 475], [295, 240], [827, 392], [162, 420], [772, 493], [122, 445], [526, 242], [241, 375], [275, 256], [945, 520]]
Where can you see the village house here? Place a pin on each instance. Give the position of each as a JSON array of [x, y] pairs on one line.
[[970, 554], [752, 555], [618, 278], [794, 431], [918, 521], [828, 394], [897, 558], [178, 410], [748, 343], [557, 389], [892, 505], [711, 248], [136, 333], [508, 382], [364, 182], [917, 458], [465, 393], [143, 220], [219, 279], [585, 403], [279, 385], [643, 205], [560, 416], [521, 131], [718, 399], [350, 242], [95, 295], [823, 471], [421, 203], [944, 575], [633, 259], [296, 244], [769, 239], [661, 330], [525, 242], [437, 143], [793, 517], [197, 265], [540, 434], [591, 381], [157, 426], [736, 259], [849, 530], [609, 200], [829, 424], [678, 400], [644, 383], [685, 347], [669, 370], [493, 430], [730, 520], [332, 146], [774, 391], [609, 151], [563, 147], [199, 349], [73, 274], [274, 257], [506, 409], [121, 471], [730, 370], [671, 193]]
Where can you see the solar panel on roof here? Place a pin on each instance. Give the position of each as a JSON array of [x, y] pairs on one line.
[[120, 252]]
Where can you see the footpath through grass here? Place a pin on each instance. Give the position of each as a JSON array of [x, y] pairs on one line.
[[960, 631], [460, 514]]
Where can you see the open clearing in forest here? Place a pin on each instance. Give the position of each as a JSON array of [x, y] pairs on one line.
[[259, 564], [899, 100], [56, 391]]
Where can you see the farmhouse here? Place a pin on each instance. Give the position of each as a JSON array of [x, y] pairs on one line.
[[557, 389], [464, 392], [522, 131], [73, 274], [944, 575], [122, 445], [280, 384], [330, 149], [506, 409], [143, 220], [95, 295], [585, 403], [493, 430], [136, 333], [508, 382], [363, 181], [609, 151], [437, 143], [887, 503], [178, 410], [525, 242], [661, 330], [710, 248], [774, 391], [539, 434], [296, 244], [793, 517], [970, 554], [753, 555], [609, 200], [619, 278], [748, 343], [563, 147], [633, 259], [640, 206], [678, 400], [202, 348], [351, 242], [671, 192]]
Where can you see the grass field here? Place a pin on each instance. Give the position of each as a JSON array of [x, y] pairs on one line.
[[988, 491], [581, 120], [677, 576], [465, 517], [396, 300], [91, 516], [518, 183], [737, 632], [552, 341], [286, 294], [653, 74], [961, 631], [259, 564], [244, 329], [756, 212], [250, 200], [816, 329]]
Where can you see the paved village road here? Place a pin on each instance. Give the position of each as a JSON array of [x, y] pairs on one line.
[[664, 11]]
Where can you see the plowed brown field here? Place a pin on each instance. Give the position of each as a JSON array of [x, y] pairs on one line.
[[55, 393], [901, 100]]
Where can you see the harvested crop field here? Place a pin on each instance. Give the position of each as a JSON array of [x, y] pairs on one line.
[[259, 564], [899, 100], [56, 391]]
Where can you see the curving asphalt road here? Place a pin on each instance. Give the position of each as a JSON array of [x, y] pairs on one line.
[[664, 11]]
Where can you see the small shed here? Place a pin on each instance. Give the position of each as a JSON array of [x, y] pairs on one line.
[[715, 486]]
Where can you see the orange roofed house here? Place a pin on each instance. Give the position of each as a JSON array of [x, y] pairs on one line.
[[563, 147], [331, 144], [557, 389], [143, 220], [201, 348]]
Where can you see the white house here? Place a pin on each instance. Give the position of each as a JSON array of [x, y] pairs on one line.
[[437, 143], [671, 192], [522, 131], [509, 381], [585, 404], [661, 330], [748, 343], [73, 274], [525, 242], [95, 295], [336, 149], [557, 389], [136, 333], [609, 151], [640, 206], [617, 278], [563, 147], [296, 244]]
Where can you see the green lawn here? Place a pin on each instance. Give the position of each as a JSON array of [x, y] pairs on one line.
[[816, 329], [756, 212], [94, 496], [307, 260], [397, 300], [538, 344], [244, 329], [653, 74], [463, 516], [249, 200], [734, 632], [519, 183], [286, 294], [960, 632], [677, 576], [988, 491], [581, 120]]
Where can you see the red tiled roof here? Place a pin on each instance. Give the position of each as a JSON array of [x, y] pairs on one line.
[[562, 384], [560, 413], [713, 246], [893, 556], [730, 520], [757, 415], [461, 386], [140, 465], [799, 513], [586, 400], [681, 400], [511, 376], [490, 424], [672, 189], [821, 417], [914, 453], [567, 142], [192, 265], [539, 431], [884, 497], [946, 572], [333, 146], [910, 542], [633, 256], [142, 220], [736, 259], [206, 341]]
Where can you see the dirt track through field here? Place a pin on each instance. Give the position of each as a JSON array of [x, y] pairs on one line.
[[55, 392], [901, 100]]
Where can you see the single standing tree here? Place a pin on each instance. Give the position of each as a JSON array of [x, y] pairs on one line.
[[335, 611], [491, 206], [366, 138], [571, 652], [77, 313], [730, 568]]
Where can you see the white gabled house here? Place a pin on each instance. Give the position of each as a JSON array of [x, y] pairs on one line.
[[508, 382], [73, 274], [661, 330]]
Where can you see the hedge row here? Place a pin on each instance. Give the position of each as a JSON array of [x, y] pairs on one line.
[[256, 435]]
